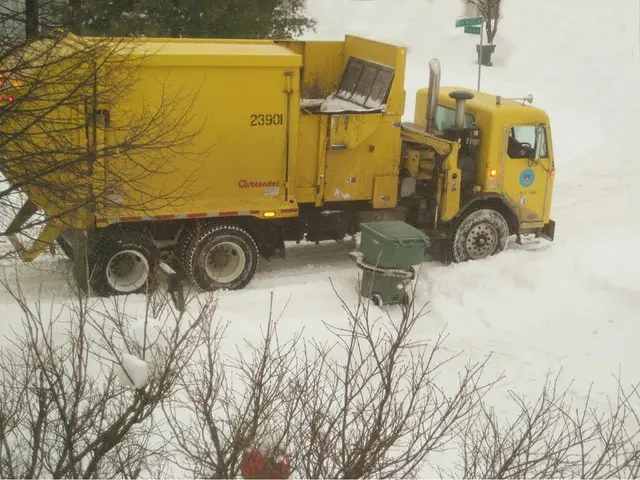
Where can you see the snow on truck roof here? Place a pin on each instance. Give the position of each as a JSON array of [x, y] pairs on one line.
[[227, 53], [495, 107], [197, 52]]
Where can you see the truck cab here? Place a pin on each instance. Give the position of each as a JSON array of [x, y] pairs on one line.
[[471, 153], [507, 161]]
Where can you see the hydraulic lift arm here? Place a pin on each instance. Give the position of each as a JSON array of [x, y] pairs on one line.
[[47, 236], [448, 177]]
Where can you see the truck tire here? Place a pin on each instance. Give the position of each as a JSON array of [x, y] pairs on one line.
[[123, 262], [80, 265], [480, 234], [221, 257], [181, 250]]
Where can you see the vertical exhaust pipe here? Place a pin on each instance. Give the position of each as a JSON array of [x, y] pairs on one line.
[[460, 96], [434, 89]]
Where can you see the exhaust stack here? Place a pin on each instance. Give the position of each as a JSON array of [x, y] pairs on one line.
[[460, 96], [434, 89]]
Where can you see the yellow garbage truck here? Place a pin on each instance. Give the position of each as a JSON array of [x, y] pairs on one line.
[[297, 140]]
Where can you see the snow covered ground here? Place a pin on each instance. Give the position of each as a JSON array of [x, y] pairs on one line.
[[572, 304]]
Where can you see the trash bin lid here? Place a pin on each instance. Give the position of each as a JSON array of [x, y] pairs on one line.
[[396, 231]]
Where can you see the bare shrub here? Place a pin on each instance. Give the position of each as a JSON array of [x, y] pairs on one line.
[[365, 406], [231, 405], [376, 411], [79, 388], [76, 137], [491, 11], [95, 389], [552, 437]]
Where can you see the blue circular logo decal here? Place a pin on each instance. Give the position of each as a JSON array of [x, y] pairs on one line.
[[527, 177]]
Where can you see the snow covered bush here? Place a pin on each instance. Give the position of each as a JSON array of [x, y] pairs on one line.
[[102, 390], [77, 399], [366, 406], [132, 371], [552, 437], [369, 405]]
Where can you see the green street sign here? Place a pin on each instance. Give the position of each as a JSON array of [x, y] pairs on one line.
[[467, 22], [472, 30]]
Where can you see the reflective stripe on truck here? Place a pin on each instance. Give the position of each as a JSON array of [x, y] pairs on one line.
[[286, 212]]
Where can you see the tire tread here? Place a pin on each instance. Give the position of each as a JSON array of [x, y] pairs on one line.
[[492, 216], [194, 239], [106, 247]]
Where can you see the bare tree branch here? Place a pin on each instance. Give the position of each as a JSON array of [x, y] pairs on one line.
[[67, 407], [550, 438], [491, 11], [73, 138], [234, 405]]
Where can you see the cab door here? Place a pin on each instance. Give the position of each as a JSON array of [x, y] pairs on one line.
[[525, 179]]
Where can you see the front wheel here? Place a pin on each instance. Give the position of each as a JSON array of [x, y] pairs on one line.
[[480, 234], [222, 257]]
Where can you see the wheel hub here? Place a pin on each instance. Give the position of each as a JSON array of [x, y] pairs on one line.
[[481, 241], [225, 262], [127, 271]]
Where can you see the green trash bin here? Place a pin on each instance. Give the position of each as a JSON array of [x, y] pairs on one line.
[[392, 244], [388, 252], [385, 289]]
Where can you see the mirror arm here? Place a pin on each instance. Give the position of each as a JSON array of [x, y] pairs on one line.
[[538, 145]]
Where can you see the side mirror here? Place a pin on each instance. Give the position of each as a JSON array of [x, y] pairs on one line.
[[539, 140]]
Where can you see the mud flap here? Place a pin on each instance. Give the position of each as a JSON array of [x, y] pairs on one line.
[[442, 251], [548, 231], [440, 246], [175, 288]]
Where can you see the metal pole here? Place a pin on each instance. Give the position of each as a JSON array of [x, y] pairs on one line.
[[480, 52]]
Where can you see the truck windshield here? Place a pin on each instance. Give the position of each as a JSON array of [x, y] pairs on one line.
[[445, 118]]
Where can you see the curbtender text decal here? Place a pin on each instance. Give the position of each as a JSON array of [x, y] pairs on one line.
[[258, 184]]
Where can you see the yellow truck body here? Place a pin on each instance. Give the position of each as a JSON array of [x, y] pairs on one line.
[[258, 152], [291, 140], [244, 103]]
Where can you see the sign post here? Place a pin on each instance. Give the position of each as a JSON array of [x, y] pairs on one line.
[[480, 52], [474, 26]]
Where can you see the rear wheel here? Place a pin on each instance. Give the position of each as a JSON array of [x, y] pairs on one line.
[[480, 234], [221, 257], [123, 262]]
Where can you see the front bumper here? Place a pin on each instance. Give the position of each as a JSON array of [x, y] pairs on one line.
[[548, 231]]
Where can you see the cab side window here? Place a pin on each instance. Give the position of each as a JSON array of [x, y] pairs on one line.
[[522, 142]]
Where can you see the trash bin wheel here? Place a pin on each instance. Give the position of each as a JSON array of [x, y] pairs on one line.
[[376, 299]]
